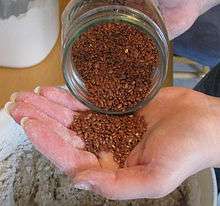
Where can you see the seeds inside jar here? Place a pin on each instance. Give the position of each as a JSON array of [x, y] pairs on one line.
[[117, 63], [110, 133]]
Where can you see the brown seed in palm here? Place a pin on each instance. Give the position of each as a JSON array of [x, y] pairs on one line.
[[110, 133]]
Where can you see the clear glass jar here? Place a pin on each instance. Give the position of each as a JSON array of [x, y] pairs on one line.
[[80, 15]]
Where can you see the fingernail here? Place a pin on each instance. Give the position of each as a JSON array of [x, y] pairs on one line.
[[23, 121], [9, 106], [13, 97], [83, 186], [37, 90]]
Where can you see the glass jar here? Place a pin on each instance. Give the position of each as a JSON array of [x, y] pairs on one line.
[[80, 15]]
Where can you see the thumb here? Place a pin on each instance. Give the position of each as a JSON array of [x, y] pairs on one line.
[[123, 184]]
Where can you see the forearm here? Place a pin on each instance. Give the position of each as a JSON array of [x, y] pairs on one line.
[[205, 5]]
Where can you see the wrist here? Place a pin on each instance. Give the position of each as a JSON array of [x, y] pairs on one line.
[[205, 5]]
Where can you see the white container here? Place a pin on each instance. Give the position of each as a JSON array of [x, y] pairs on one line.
[[28, 31]]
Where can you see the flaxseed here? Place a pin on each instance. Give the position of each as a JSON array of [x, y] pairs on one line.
[[116, 62], [110, 133]]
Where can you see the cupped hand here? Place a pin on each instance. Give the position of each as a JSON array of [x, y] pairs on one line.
[[183, 126], [182, 139]]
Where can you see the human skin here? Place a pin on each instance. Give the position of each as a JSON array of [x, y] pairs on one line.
[[180, 15], [182, 139]]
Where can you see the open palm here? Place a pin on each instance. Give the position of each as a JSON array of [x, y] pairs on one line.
[[168, 154], [177, 146]]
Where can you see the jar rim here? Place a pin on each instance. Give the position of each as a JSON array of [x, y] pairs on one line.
[[114, 13]]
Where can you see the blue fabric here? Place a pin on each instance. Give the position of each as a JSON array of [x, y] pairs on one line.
[[202, 42]]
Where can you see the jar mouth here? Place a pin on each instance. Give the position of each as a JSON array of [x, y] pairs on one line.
[[115, 14]]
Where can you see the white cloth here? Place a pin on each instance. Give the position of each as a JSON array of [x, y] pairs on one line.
[[11, 135]]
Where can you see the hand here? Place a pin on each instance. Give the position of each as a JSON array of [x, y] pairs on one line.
[[45, 116], [180, 15], [176, 146], [183, 139]]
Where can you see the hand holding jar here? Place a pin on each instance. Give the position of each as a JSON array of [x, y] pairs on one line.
[[180, 15]]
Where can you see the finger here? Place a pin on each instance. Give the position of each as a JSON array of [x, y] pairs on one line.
[[61, 153], [61, 96], [20, 109], [55, 111], [123, 184]]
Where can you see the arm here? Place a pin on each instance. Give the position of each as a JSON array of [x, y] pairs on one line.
[[180, 15], [208, 4]]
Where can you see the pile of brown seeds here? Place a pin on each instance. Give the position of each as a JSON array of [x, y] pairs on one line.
[[116, 62], [110, 133]]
